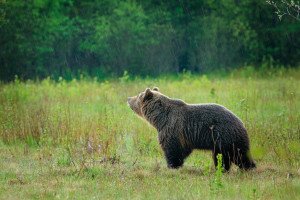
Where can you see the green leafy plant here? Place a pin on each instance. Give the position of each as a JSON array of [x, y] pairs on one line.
[[216, 183]]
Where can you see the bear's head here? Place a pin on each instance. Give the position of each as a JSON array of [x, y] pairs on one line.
[[138, 103], [155, 107]]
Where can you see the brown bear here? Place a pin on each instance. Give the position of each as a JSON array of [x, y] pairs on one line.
[[183, 127]]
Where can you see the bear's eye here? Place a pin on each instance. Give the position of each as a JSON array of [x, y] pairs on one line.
[[159, 103]]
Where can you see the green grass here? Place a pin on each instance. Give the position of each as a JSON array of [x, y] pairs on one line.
[[46, 129]]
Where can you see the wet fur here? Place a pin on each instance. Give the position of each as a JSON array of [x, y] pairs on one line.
[[184, 127]]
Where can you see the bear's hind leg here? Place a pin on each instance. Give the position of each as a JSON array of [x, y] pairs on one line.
[[245, 162]]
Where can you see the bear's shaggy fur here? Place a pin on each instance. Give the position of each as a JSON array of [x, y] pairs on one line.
[[183, 127]]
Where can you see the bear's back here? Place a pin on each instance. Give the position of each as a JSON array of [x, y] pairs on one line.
[[201, 120], [211, 114]]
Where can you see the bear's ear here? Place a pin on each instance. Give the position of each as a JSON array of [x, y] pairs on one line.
[[148, 94], [156, 89]]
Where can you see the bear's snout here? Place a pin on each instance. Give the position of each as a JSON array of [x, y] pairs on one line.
[[134, 104], [129, 100]]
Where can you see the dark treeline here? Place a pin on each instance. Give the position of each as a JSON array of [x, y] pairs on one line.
[[40, 38]]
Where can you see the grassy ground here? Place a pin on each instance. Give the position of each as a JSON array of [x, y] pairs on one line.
[[79, 140]]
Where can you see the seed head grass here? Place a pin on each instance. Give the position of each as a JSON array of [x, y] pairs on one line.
[[79, 139]]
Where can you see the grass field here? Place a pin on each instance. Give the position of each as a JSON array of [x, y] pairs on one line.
[[80, 140]]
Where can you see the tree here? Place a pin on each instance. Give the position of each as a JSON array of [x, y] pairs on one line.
[[286, 8]]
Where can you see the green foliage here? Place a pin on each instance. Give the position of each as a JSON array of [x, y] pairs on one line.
[[219, 171], [68, 38], [125, 77], [35, 174], [65, 113], [63, 157], [216, 183], [79, 140]]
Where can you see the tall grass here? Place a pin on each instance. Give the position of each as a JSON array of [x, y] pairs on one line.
[[95, 115]]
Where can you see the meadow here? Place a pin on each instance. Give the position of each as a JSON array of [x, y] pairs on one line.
[[79, 139]]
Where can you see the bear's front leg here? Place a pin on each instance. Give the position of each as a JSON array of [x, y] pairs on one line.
[[174, 159], [174, 154]]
